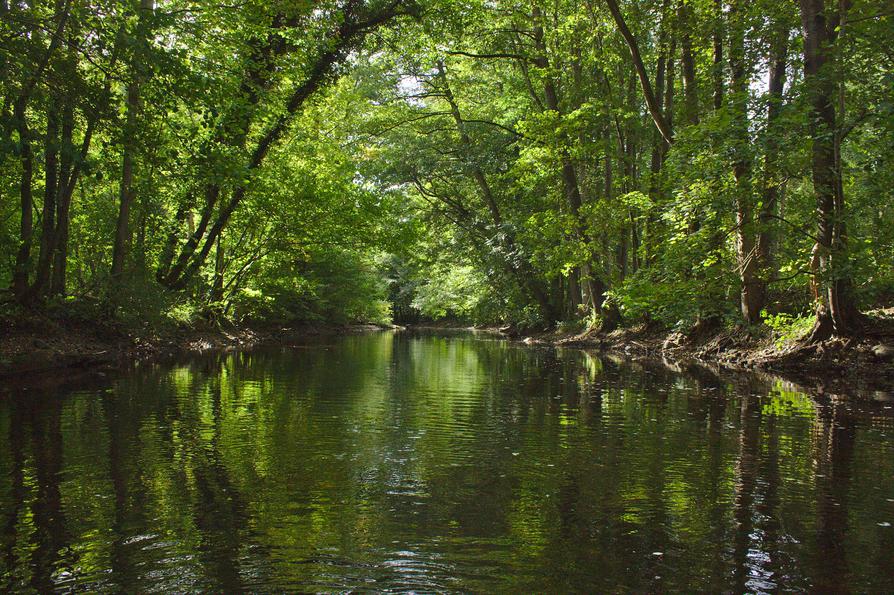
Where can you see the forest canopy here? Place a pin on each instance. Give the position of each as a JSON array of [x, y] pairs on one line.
[[595, 162]]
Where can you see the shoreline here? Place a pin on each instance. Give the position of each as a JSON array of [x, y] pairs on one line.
[[841, 365], [38, 345]]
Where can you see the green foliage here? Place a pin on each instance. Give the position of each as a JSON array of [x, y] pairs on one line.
[[491, 163], [456, 292], [680, 303], [184, 314], [139, 302], [787, 327]]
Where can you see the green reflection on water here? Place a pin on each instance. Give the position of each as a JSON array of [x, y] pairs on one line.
[[406, 461]]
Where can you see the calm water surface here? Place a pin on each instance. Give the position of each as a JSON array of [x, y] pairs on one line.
[[406, 462]]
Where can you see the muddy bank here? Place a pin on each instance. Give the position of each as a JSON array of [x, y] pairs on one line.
[[34, 344], [854, 364]]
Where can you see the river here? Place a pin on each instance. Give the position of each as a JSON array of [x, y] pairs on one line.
[[401, 461]]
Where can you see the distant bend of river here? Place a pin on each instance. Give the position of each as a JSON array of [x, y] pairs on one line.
[[398, 461]]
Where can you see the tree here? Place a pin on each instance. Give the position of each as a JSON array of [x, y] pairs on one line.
[[122, 227], [836, 310]]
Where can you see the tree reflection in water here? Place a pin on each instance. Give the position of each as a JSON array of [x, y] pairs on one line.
[[440, 463]]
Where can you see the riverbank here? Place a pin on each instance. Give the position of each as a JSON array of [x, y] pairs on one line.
[[36, 343], [863, 363]]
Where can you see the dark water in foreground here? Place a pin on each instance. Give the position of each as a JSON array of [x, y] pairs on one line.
[[408, 462]]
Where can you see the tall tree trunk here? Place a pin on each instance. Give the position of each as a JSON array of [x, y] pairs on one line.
[[588, 274], [717, 73], [60, 265], [217, 288], [753, 290], [125, 200], [48, 211], [68, 175], [670, 75], [570, 183], [70, 167], [58, 165], [54, 252], [21, 269], [125, 195], [26, 224], [836, 310], [772, 186], [687, 62], [660, 147]]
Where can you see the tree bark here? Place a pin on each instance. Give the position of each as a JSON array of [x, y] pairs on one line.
[[753, 290], [659, 145], [21, 269], [772, 186], [671, 75], [73, 166], [836, 310], [125, 197], [687, 62], [48, 211], [60, 266], [26, 223], [717, 73], [570, 182]]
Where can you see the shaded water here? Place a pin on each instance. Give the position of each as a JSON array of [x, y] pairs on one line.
[[396, 461]]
